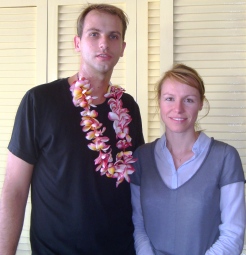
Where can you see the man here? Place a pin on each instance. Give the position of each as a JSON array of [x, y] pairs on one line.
[[74, 150]]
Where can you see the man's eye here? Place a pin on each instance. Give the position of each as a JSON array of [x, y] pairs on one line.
[[114, 36]]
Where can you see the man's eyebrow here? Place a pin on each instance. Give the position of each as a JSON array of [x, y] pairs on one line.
[[116, 32], [92, 29]]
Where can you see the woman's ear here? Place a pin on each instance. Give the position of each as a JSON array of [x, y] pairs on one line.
[[201, 106]]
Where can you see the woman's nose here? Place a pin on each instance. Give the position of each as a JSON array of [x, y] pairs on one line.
[[179, 106]]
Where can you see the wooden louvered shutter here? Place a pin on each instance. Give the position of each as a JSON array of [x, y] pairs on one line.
[[22, 66], [210, 36], [148, 65]]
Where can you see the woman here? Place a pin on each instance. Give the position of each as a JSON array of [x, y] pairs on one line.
[[188, 189]]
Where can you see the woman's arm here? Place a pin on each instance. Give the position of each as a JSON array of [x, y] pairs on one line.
[[232, 205], [142, 242]]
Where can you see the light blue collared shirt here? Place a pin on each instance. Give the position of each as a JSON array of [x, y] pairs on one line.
[[174, 178]]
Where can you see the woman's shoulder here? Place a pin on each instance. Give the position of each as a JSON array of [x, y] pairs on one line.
[[147, 147], [222, 146]]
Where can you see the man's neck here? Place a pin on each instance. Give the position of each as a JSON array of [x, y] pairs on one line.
[[98, 84]]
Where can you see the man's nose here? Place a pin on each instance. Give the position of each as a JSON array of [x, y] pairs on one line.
[[104, 44]]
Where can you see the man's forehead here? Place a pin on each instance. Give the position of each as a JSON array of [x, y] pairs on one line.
[[91, 22], [101, 14]]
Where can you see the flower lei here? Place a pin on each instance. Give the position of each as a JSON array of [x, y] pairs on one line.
[[121, 168]]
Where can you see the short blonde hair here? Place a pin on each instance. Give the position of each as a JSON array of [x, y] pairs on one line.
[[106, 8]]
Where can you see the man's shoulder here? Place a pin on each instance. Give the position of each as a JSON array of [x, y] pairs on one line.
[[47, 91], [128, 100], [49, 85], [127, 96]]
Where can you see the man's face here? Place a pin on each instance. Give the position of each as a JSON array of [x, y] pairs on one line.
[[101, 44]]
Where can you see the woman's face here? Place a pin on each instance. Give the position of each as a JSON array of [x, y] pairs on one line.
[[179, 106]]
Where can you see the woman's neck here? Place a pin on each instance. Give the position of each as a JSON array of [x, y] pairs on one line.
[[180, 146]]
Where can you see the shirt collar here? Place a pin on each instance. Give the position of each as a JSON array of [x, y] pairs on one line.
[[200, 144]]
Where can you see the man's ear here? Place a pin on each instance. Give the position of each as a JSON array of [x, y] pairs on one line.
[[123, 48], [76, 41]]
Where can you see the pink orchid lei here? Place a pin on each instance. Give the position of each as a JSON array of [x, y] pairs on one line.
[[121, 168]]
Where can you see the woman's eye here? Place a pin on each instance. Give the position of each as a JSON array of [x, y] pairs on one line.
[[169, 99]]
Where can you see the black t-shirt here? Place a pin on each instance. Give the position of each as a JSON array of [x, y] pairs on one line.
[[75, 210]]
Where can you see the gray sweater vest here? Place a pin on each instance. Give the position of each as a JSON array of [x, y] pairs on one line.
[[185, 221]]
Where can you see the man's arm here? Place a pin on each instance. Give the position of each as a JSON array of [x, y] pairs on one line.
[[13, 202]]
